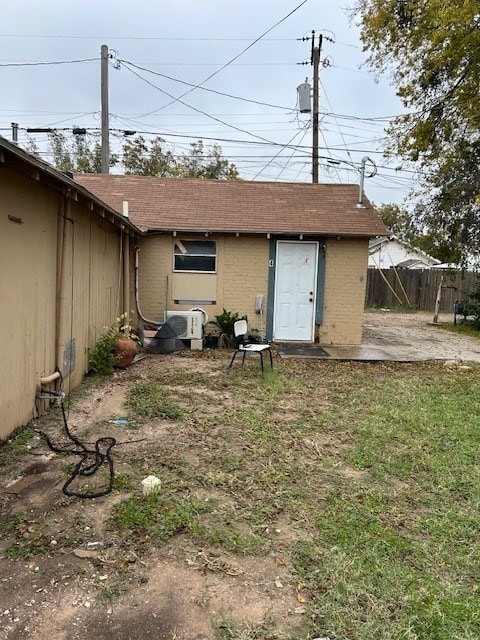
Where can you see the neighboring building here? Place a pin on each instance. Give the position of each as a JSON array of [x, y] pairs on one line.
[[219, 244], [62, 256], [388, 251]]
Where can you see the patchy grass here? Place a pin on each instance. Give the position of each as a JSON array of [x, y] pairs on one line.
[[377, 468], [363, 477], [148, 400], [15, 448], [462, 328], [155, 517]]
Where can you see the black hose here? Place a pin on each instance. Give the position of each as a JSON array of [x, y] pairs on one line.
[[91, 460]]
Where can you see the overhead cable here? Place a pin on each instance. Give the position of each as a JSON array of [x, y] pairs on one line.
[[189, 84], [234, 57], [45, 64]]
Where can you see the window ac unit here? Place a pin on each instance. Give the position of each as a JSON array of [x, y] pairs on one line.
[[188, 325]]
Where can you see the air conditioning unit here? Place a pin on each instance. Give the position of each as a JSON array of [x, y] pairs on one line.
[[188, 325]]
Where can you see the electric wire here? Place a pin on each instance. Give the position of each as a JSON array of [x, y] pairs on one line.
[[305, 129], [46, 64], [196, 86], [230, 126], [277, 154], [238, 55]]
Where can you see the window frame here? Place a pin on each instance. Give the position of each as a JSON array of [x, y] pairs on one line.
[[177, 241]]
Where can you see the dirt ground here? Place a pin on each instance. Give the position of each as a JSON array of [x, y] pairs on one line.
[[70, 588], [78, 583]]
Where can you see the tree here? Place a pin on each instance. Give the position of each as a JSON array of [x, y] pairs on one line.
[[397, 219], [152, 160], [141, 159], [77, 155], [431, 49], [200, 163], [402, 224]]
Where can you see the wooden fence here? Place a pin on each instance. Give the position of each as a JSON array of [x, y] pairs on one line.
[[417, 288]]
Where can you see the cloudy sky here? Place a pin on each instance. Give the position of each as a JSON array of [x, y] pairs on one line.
[[221, 71]]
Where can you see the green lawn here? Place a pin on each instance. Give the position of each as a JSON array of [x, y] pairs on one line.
[[374, 467]]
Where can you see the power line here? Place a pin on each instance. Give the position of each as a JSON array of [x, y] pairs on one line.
[[46, 64], [261, 142], [161, 39], [196, 86], [236, 56], [230, 126], [287, 146]]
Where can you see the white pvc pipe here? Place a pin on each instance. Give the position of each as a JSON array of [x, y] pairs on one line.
[[51, 378]]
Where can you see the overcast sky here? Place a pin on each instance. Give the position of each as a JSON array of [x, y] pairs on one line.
[[257, 125]]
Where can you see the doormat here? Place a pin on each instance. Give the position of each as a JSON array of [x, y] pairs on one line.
[[300, 350]]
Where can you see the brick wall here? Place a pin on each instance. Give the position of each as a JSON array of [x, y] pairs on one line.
[[242, 272], [155, 264], [345, 282], [244, 275]]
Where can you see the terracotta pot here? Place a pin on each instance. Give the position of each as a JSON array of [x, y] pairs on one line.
[[126, 350]]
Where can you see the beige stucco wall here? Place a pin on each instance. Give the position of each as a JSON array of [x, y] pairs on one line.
[[31, 310], [344, 296], [242, 274]]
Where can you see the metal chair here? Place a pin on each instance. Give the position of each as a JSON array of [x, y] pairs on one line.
[[240, 329]]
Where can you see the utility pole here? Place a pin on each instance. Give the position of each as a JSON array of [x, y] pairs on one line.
[[315, 61], [105, 154], [304, 97]]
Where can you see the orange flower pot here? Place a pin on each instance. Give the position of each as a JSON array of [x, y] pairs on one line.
[[126, 350]]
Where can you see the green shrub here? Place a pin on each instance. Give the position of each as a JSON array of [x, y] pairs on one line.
[[102, 358], [226, 320]]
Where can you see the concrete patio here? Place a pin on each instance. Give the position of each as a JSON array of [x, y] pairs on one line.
[[398, 337]]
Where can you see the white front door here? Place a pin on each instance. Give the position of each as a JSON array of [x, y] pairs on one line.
[[295, 291]]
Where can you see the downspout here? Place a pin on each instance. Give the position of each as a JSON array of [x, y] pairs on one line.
[[64, 215], [125, 250], [126, 276]]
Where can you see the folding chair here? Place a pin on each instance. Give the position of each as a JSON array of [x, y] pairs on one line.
[[240, 329]]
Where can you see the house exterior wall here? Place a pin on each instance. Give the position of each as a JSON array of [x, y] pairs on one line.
[[242, 274], [345, 282], [38, 304]]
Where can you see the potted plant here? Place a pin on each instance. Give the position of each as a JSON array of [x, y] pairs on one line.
[[117, 347], [225, 322], [125, 344]]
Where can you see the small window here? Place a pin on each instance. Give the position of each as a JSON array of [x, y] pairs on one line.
[[195, 255]]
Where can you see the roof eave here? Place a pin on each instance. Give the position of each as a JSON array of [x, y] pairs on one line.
[[67, 185]]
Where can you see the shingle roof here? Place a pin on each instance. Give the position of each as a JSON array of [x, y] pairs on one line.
[[178, 204]]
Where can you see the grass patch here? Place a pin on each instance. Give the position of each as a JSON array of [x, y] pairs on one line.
[[34, 545], [123, 482], [362, 478], [156, 517], [146, 401], [15, 448], [228, 629], [463, 329]]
